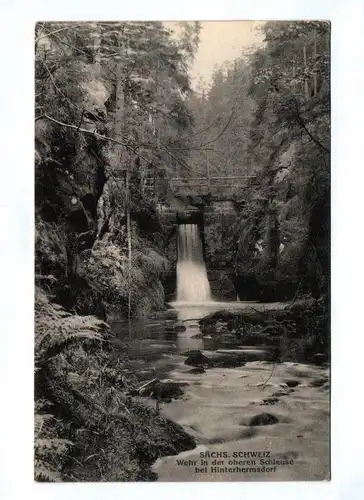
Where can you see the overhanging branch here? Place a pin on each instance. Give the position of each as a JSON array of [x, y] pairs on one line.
[[222, 131], [94, 134], [110, 139], [312, 137]]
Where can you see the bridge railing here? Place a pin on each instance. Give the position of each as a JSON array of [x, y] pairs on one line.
[[207, 185], [196, 186]]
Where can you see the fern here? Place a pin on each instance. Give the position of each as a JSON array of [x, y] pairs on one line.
[[49, 449], [49, 456], [55, 329]]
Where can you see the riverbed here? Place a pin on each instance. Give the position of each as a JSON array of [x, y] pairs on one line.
[[256, 421]]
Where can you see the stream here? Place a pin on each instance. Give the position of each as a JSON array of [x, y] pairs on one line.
[[219, 406]]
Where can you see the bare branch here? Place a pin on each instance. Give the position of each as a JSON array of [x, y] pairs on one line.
[[196, 133], [180, 162], [50, 33], [41, 29], [312, 137], [94, 134], [222, 131], [270, 376], [77, 49]]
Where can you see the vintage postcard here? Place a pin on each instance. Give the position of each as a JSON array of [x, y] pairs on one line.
[[182, 251]]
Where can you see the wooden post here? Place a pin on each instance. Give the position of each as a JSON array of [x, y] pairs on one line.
[[128, 232], [120, 120], [294, 78], [208, 172], [97, 46], [128, 195], [314, 60], [155, 184], [119, 91]]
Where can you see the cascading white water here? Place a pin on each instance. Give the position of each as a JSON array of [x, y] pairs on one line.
[[192, 282]]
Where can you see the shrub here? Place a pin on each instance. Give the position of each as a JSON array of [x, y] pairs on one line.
[[108, 272]]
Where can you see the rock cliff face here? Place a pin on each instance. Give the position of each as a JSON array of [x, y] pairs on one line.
[[273, 241], [283, 228], [70, 175], [219, 219], [80, 216]]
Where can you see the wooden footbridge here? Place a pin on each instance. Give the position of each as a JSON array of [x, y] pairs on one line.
[[215, 187]]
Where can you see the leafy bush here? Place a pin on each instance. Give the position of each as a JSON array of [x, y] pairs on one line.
[[108, 272]]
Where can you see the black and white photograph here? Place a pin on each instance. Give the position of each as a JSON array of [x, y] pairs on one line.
[[182, 251]]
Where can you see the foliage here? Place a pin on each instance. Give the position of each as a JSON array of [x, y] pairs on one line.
[[86, 427], [267, 117], [223, 115], [55, 331], [141, 61], [108, 271], [50, 451], [295, 101], [111, 104]]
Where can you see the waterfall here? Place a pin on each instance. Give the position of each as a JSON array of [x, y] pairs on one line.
[[192, 282]]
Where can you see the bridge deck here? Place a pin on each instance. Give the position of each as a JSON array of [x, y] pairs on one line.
[[199, 186]]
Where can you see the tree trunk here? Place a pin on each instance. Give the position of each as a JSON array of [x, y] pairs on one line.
[[128, 232], [306, 91], [120, 128], [272, 241]]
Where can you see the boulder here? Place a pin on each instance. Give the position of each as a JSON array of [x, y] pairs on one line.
[[147, 389], [319, 358], [292, 383], [318, 382], [161, 390], [191, 352], [228, 361], [170, 314], [279, 394], [269, 401], [196, 358], [263, 419], [166, 391], [197, 371], [179, 328]]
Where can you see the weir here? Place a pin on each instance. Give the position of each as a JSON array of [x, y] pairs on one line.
[[192, 282]]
